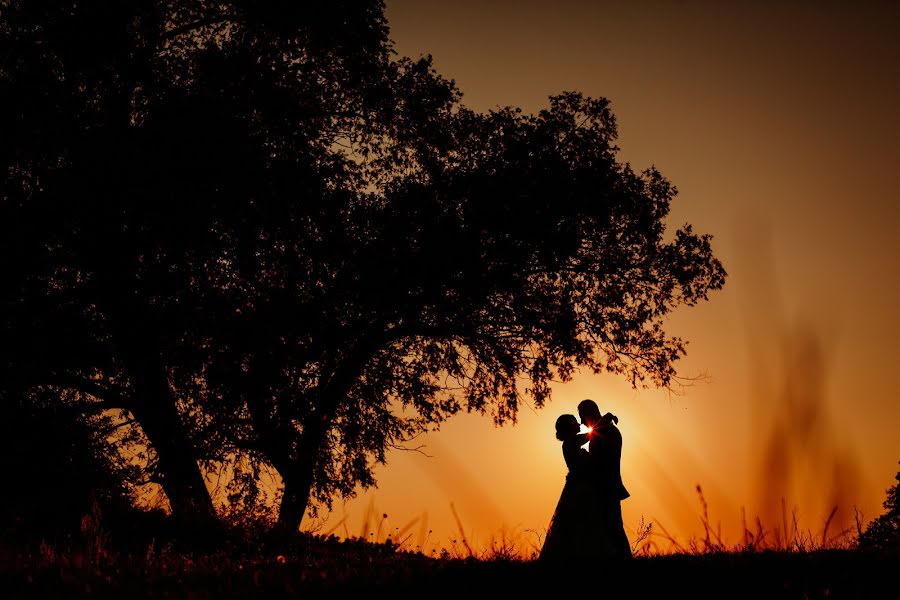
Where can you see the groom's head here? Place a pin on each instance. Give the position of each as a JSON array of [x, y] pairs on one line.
[[589, 412]]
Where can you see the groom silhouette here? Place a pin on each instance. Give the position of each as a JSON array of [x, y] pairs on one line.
[[605, 455]]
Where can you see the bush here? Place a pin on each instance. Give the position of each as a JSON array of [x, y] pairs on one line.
[[884, 532], [57, 468]]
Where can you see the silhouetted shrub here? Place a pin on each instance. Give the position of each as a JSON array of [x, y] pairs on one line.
[[57, 468], [884, 532]]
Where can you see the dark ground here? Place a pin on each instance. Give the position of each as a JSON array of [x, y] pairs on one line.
[[343, 569]]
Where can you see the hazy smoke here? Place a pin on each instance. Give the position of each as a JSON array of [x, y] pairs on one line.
[[804, 463]]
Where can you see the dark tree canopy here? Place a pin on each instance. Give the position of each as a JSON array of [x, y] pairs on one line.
[[251, 229]]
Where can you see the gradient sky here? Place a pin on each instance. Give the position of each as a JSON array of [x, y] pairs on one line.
[[778, 123]]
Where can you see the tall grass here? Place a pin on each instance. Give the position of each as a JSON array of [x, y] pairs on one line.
[[96, 552], [787, 536], [648, 538], [407, 555]]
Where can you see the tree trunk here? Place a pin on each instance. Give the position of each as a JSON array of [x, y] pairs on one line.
[[294, 501], [298, 479], [154, 407], [180, 474], [275, 438], [299, 475]]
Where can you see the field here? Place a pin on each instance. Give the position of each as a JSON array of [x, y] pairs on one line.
[[145, 555], [310, 566]]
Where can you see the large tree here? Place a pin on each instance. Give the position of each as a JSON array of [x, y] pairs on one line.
[[255, 231]]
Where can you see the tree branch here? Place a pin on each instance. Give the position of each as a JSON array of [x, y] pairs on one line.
[[108, 398], [213, 20]]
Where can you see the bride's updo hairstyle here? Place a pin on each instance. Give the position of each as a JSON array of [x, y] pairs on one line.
[[566, 427]]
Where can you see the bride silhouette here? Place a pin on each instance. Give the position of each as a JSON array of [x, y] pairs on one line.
[[567, 537]]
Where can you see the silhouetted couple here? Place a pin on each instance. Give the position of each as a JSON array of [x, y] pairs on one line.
[[587, 524]]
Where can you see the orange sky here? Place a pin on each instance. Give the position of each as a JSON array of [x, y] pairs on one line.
[[779, 126]]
